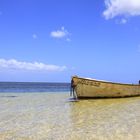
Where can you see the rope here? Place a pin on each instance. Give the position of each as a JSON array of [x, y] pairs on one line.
[[72, 90]]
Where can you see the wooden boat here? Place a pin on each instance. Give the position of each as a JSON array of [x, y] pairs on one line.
[[91, 88]]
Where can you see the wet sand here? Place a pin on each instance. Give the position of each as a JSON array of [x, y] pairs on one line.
[[53, 116]]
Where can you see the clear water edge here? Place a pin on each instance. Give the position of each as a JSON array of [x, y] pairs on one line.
[[47, 116]]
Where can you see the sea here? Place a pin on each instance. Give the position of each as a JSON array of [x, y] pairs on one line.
[[26, 87], [45, 111]]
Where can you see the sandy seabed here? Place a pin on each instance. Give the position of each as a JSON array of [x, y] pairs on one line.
[[53, 116]]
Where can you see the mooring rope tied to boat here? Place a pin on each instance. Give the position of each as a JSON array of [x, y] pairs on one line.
[[72, 90]]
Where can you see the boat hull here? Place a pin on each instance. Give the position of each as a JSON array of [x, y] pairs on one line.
[[90, 88]]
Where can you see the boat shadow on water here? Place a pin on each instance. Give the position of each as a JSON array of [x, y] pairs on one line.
[[72, 99], [8, 96]]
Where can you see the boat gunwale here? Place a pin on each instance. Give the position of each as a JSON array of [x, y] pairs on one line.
[[106, 81]]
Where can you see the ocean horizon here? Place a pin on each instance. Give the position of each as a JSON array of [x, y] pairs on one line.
[[34, 87]]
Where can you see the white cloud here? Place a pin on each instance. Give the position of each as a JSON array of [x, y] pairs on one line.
[[13, 64], [124, 8], [123, 21], [68, 39], [34, 36], [61, 33]]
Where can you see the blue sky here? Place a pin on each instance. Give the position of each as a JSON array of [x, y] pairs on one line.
[[51, 40]]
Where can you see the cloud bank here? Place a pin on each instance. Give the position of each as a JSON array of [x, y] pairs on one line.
[[13, 64], [61, 33], [124, 8]]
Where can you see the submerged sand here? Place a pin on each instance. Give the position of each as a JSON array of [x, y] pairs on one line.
[[53, 116]]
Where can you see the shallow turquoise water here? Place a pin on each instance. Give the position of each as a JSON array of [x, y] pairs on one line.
[[53, 116]]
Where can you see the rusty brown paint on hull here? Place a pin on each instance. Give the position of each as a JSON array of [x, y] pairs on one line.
[[90, 88]]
